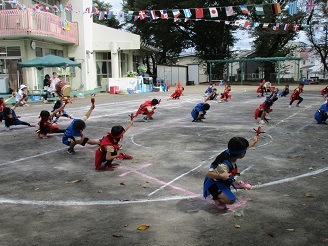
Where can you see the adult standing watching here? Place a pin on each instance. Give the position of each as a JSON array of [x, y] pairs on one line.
[[53, 81]]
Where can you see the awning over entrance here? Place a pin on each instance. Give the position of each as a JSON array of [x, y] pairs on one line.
[[49, 61]]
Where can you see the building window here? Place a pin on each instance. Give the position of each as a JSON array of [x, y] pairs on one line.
[[3, 51], [124, 64], [10, 51], [13, 51], [46, 52], [60, 53], [38, 52], [135, 63], [53, 52], [104, 66]]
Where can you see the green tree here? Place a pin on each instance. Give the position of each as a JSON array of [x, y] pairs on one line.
[[102, 6], [273, 43], [211, 40], [317, 32]]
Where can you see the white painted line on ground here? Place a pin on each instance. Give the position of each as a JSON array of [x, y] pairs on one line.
[[281, 181], [88, 203], [169, 183], [137, 169], [31, 157]]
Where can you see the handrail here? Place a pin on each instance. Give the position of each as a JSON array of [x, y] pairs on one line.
[[28, 22]]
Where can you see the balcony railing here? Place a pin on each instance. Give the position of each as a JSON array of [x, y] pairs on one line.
[[28, 23]]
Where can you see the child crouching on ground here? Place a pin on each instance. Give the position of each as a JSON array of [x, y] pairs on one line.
[[74, 133], [10, 118], [45, 125], [109, 148], [220, 176]]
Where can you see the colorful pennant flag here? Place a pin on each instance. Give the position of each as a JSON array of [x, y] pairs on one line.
[[95, 10], [286, 26], [14, 4], [65, 25], [121, 16], [101, 15], [244, 9], [256, 24], [276, 27], [265, 25], [176, 14], [69, 7], [213, 12], [187, 13], [310, 4], [259, 9], [87, 10], [152, 15], [136, 17], [229, 10], [110, 14], [55, 9], [129, 17], [142, 15], [199, 13], [296, 27], [227, 22], [292, 8], [164, 14], [246, 24], [276, 8]]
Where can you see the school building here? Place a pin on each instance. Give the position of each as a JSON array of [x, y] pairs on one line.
[[31, 29]]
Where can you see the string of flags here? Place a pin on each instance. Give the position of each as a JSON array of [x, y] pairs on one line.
[[55, 9], [191, 14]]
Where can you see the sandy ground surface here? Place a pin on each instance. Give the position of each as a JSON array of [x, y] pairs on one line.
[[41, 202]]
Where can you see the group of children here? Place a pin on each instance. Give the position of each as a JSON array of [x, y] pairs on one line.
[[265, 107], [223, 170], [211, 93]]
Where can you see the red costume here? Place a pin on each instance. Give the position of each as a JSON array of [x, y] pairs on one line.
[[260, 89], [2, 105], [143, 109], [296, 94], [264, 106], [101, 152], [324, 91], [225, 93], [46, 126], [177, 93]]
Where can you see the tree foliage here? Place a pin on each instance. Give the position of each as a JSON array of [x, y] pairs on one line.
[[210, 40], [273, 43], [317, 32]]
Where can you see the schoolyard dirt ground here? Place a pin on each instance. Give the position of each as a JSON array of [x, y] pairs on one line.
[[49, 197]]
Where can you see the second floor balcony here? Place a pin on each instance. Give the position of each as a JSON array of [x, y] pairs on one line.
[[27, 23]]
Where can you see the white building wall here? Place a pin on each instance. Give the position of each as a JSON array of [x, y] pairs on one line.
[[115, 41], [86, 77]]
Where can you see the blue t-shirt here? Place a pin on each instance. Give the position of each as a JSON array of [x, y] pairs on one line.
[[70, 132]]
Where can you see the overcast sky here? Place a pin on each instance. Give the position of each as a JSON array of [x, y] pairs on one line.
[[117, 4]]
